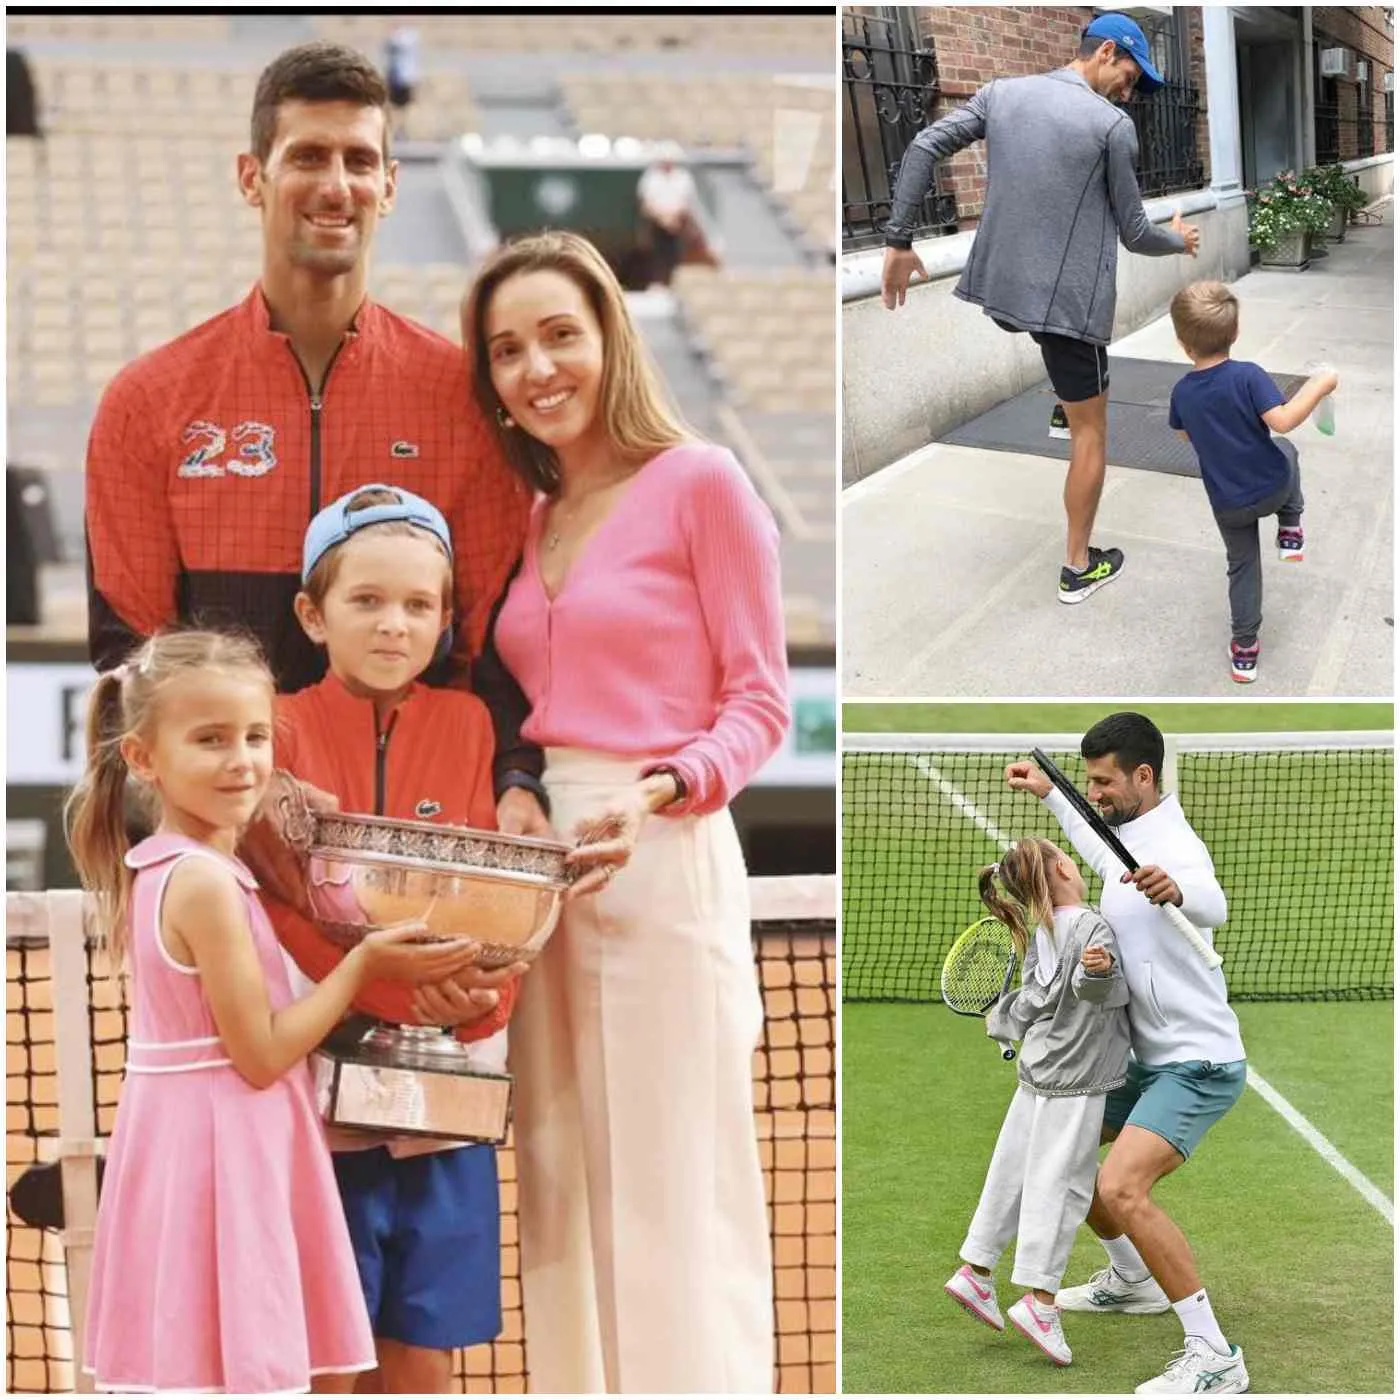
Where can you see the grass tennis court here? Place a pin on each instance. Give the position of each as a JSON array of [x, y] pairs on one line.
[[1035, 717], [1298, 1265], [1297, 1261]]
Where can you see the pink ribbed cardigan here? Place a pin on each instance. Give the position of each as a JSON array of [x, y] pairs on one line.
[[666, 639]]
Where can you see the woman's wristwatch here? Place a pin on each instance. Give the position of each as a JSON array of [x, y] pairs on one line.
[[675, 776]]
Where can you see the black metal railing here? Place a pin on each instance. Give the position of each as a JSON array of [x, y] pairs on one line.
[[1327, 133], [1168, 156], [1167, 122], [889, 82], [1365, 124]]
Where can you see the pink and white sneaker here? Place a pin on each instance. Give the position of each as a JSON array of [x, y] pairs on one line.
[[978, 1295], [1290, 543], [1042, 1326]]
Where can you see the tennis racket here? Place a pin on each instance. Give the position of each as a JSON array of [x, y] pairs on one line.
[[1106, 834], [979, 970]]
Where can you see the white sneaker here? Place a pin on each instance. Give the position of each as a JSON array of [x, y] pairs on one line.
[[1046, 1333], [1198, 1367], [977, 1295], [1106, 1291]]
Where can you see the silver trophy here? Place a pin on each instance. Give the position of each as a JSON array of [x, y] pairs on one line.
[[363, 873]]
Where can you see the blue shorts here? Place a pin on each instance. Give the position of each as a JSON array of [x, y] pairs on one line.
[[427, 1237], [1177, 1101]]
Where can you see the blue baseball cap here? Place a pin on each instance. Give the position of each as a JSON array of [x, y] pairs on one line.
[[337, 522], [1128, 35]]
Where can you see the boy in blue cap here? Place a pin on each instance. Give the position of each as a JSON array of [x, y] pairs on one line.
[[1061, 192], [424, 1215]]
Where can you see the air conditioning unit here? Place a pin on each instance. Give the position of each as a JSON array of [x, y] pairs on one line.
[[1388, 82], [1336, 63]]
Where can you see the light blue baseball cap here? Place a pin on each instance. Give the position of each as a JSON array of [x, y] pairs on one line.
[[1128, 35], [337, 522]]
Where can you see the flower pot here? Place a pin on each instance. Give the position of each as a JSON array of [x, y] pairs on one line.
[[1290, 251], [1337, 229]]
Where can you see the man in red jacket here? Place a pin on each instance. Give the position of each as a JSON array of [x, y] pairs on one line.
[[210, 455]]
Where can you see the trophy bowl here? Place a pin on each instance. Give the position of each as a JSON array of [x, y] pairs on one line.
[[354, 874], [365, 873]]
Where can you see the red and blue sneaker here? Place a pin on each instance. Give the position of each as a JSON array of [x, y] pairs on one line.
[[1244, 662]]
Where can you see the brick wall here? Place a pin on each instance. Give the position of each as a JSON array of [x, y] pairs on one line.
[[975, 44], [1361, 29]]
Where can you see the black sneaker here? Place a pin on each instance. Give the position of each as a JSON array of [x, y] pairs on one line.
[[1103, 567], [1059, 424]]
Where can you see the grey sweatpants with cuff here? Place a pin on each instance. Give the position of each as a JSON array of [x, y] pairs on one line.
[[1039, 1185], [1239, 528]]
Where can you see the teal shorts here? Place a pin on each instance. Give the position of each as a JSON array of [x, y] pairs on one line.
[[1177, 1101]]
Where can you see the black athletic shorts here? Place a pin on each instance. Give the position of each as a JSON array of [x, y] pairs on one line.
[[1077, 369]]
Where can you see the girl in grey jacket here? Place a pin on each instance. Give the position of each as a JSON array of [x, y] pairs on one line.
[[1070, 1014]]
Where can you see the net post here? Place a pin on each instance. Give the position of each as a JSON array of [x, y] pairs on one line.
[[1168, 764], [77, 1120]]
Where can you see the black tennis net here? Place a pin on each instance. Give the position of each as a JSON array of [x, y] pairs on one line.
[[794, 943], [1300, 827]]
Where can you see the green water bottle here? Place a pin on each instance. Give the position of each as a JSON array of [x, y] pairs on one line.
[[1324, 416]]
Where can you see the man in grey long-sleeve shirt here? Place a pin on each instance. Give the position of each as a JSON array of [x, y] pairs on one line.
[[1061, 193]]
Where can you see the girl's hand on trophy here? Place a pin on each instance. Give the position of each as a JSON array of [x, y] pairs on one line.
[[464, 997], [264, 847], [405, 953]]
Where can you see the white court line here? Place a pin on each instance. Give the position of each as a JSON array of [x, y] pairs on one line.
[[955, 795], [1324, 1149], [1373, 1195]]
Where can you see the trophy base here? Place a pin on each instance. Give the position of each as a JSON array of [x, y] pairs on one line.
[[409, 1080]]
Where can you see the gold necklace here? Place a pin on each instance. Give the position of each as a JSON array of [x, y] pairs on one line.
[[559, 523], [556, 528]]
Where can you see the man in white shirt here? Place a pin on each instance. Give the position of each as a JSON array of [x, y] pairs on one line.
[[1189, 1061], [666, 194]]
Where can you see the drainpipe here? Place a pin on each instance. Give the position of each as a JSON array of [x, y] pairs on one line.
[[1306, 126]]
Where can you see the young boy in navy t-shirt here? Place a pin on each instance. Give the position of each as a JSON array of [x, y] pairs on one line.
[[1228, 410]]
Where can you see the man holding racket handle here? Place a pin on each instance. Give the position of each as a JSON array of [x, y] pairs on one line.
[[1189, 1061]]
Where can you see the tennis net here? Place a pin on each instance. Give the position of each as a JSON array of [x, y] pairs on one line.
[[794, 943], [1300, 827]]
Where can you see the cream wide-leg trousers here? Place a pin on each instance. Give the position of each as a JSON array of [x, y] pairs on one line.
[[644, 1245]]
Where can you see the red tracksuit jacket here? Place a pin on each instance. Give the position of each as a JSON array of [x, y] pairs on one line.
[[430, 762], [209, 456]]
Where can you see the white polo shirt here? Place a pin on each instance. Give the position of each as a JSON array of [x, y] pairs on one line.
[[665, 193], [1179, 1008]]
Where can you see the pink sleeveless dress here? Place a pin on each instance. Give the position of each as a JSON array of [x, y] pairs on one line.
[[222, 1261]]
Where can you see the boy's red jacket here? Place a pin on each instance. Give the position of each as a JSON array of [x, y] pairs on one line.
[[432, 763]]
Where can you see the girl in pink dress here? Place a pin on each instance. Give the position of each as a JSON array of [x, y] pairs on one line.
[[222, 1262]]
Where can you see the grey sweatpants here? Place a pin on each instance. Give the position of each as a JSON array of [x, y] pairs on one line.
[[1039, 1186], [1239, 528]]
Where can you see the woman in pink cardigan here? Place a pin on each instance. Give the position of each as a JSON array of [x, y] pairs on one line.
[[645, 627]]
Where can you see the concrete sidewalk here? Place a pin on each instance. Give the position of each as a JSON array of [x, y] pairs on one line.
[[951, 556]]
